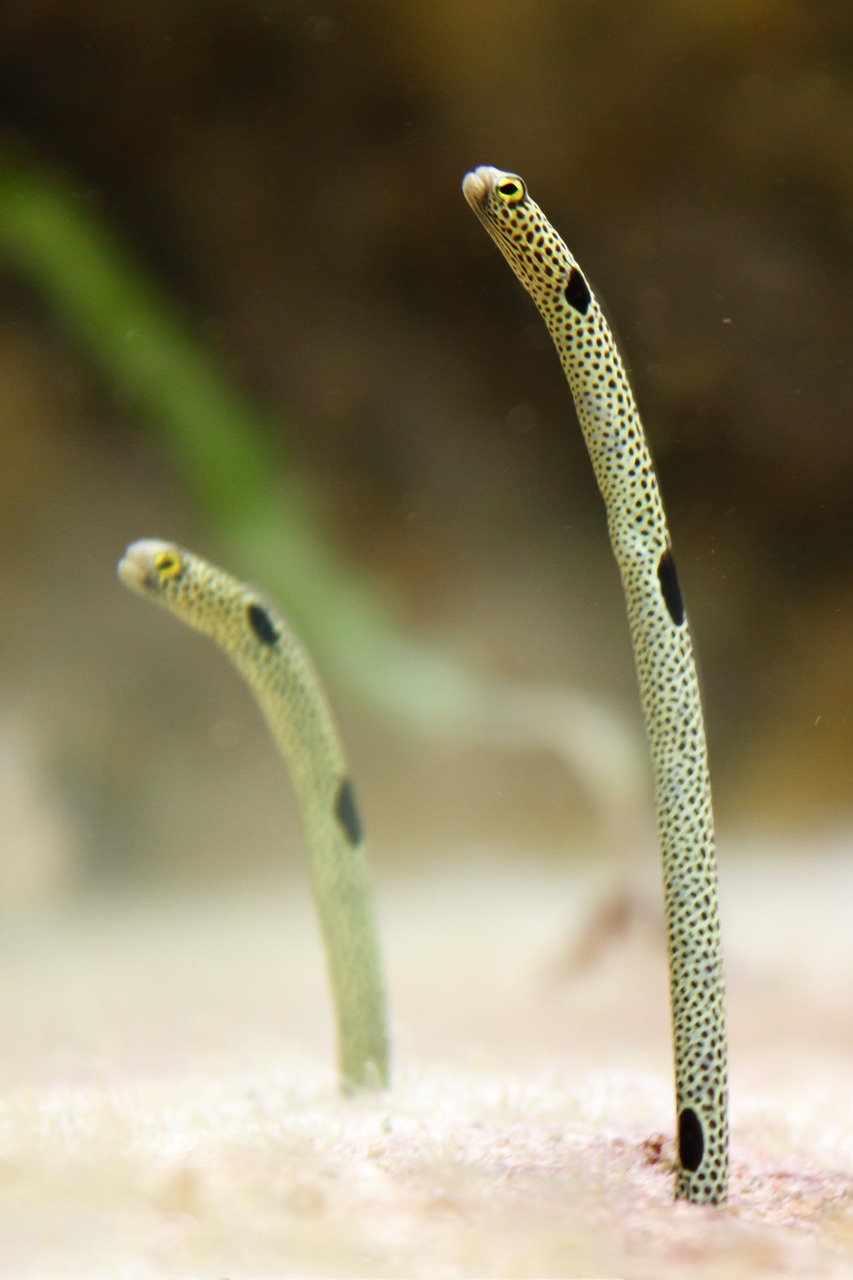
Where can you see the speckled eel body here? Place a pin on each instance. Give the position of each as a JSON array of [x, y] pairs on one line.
[[664, 657], [265, 651]]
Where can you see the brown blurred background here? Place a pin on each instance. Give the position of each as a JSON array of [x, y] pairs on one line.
[[290, 174]]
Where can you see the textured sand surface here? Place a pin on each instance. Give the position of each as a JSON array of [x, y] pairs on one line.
[[168, 1105]]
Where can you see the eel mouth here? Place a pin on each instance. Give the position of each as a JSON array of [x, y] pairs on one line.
[[475, 185], [135, 568], [132, 574]]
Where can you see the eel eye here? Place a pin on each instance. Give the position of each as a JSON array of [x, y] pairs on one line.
[[511, 190], [168, 565]]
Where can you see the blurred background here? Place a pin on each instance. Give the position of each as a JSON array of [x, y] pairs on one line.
[[249, 216]]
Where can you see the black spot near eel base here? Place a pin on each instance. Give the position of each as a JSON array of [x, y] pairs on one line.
[[577, 292], [668, 579], [691, 1143], [346, 812], [262, 624]]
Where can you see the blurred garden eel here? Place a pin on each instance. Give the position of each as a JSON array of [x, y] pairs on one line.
[[664, 657], [277, 669]]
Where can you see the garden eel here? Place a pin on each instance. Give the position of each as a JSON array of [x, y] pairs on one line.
[[277, 669], [664, 658]]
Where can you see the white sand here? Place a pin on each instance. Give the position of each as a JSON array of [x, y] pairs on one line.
[[167, 1103]]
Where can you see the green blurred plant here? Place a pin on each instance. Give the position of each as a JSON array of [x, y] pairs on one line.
[[221, 445]]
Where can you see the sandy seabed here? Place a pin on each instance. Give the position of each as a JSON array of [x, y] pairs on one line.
[[169, 1108]]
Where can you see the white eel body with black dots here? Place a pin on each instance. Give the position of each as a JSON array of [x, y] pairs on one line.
[[663, 652], [262, 646]]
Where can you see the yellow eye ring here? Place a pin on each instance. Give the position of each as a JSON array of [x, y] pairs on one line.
[[168, 565], [511, 190]]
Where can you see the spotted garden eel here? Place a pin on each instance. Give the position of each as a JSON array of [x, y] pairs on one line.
[[276, 667], [664, 658]]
